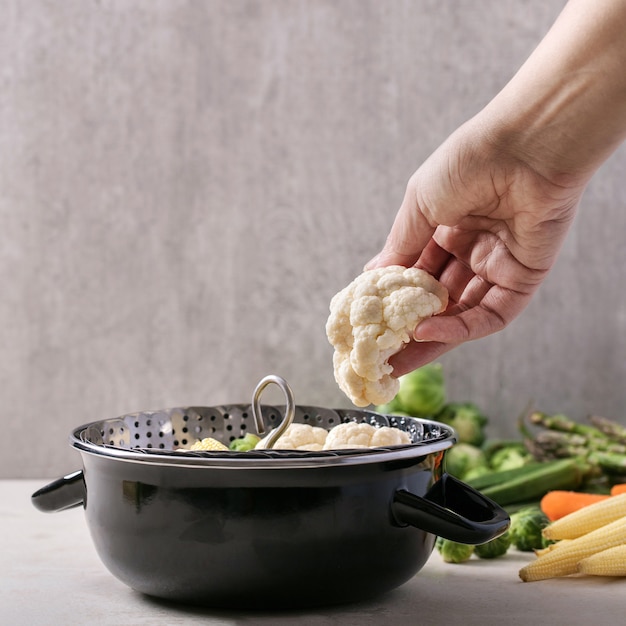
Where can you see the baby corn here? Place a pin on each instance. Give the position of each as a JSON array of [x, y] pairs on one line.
[[563, 560], [609, 562], [587, 519], [208, 443], [552, 546]]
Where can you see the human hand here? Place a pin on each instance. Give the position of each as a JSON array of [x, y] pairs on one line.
[[486, 214], [487, 224]]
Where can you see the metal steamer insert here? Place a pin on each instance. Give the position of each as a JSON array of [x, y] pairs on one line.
[[170, 432]]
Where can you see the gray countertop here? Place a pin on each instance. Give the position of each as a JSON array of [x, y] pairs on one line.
[[51, 574]]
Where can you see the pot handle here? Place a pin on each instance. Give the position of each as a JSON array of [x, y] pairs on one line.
[[452, 510], [63, 493]]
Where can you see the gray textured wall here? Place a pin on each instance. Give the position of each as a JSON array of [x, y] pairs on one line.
[[186, 183]]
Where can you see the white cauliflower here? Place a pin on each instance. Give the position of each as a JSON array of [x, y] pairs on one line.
[[362, 435], [373, 318], [298, 437]]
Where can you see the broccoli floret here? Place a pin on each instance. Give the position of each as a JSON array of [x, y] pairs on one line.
[[245, 443], [526, 527], [453, 552]]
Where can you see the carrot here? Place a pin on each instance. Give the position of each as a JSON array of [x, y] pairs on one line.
[[618, 488], [557, 504]]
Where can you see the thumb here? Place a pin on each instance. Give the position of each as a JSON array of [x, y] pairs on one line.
[[408, 237]]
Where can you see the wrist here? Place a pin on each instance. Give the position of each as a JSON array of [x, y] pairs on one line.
[[564, 112]]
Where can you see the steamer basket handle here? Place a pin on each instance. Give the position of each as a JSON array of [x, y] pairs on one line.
[[290, 408]]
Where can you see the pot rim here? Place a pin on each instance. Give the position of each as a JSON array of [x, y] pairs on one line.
[[268, 459]]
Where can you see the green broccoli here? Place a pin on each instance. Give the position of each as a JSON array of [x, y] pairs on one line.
[[245, 443], [453, 552], [526, 527]]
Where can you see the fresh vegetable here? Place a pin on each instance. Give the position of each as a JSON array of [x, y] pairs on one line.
[[603, 449], [373, 318], [500, 477], [245, 443], [510, 457], [609, 562], [475, 472], [526, 529], [588, 533], [562, 423], [466, 419], [491, 446], [422, 392], [463, 458], [495, 548], [587, 519], [551, 546], [613, 430], [534, 481], [453, 552], [618, 489], [346, 435], [362, 435], [298, 437], [559, 503], [208, 443], [564, 559]]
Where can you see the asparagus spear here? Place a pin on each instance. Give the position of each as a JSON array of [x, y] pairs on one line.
[[610, 428], [562, 423]]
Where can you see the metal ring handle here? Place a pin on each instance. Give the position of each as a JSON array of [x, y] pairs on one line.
[[290, 408]]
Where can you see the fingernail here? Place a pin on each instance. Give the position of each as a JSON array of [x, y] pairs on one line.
[[418, 337]]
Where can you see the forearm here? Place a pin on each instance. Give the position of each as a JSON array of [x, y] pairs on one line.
[[564, 112]]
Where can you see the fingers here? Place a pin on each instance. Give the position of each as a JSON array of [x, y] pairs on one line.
[[415, 355], [497, 308]]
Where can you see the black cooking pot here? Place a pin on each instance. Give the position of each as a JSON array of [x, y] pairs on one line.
[[271, 528]]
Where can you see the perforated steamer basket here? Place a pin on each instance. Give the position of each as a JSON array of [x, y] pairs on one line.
[[265, 528], [166, 436]]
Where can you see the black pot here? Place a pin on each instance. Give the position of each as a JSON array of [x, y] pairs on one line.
[[265, 529]]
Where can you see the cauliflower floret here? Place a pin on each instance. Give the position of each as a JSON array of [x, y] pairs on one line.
[[373, 318], [362, 435], [298, 437]]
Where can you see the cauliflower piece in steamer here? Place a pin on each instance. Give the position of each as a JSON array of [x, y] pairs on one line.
[[363, 435], [298, 437]]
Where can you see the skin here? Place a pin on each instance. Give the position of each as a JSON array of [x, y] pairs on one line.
[[488, 211]]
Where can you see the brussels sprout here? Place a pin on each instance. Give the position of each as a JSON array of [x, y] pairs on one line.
[[463, 458], [475, 472], [422, 392], [526, 527], [453, 552], [494, 548], [466, 419], [245, 443]]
